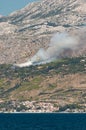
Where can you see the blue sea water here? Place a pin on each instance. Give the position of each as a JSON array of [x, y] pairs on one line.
[[49, 121]]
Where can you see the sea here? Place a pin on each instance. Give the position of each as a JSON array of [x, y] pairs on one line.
[[42, 121]]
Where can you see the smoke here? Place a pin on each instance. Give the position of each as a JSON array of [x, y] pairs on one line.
[[59, 43]]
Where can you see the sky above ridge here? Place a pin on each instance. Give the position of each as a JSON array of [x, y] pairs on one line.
[[8, 6]]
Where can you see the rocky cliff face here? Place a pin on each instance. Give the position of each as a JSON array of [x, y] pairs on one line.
[[23, 32]]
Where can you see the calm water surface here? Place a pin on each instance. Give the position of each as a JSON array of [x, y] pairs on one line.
[[43, 121]]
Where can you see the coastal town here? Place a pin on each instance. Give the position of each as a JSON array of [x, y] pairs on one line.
[[28, 106], [38, 107]]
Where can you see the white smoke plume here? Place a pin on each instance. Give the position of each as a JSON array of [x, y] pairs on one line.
[[59, 42]]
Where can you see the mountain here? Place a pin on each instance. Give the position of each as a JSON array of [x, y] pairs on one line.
[[49, 29], [23, 32], [1, 16]]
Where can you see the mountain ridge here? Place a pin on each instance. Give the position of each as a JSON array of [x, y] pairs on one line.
[[25, 31], [53, 31]]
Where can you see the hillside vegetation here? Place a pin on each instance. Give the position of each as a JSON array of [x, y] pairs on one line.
[[62, 82], [52, 87]]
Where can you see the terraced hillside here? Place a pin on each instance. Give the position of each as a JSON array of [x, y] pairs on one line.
[[62, 83], [52, 87]]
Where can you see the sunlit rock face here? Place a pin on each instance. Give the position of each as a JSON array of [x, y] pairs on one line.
[[24, 32], [61, 45]]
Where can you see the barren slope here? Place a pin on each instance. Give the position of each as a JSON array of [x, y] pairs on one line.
[[23, 32]]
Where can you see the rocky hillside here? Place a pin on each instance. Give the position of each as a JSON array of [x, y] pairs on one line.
[[56, 86], [23, 32]]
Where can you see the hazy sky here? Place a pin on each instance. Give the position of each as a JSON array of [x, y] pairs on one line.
[[8, 6]]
